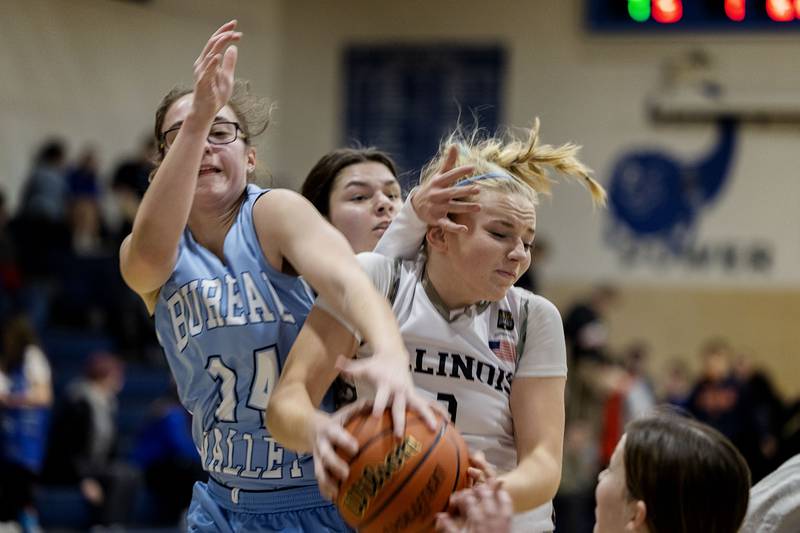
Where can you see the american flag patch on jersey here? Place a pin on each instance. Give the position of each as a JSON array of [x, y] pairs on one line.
[[504, 350]]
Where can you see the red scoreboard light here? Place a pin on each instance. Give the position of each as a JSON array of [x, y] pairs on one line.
[[670, 16], [667, 11], [781, 10], [735, 9]]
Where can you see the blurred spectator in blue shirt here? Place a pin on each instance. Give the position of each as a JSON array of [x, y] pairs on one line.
[[167, 455]]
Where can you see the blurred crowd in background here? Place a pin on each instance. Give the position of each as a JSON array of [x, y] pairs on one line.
[[91, 430]]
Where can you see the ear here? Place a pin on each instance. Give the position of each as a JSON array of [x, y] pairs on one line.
[[638, 517], [437, 239], [251, 160]]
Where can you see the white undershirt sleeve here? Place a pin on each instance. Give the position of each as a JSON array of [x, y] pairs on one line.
[[405, 234]]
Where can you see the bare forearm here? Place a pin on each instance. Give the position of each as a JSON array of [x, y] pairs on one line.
[[290, 417], [164, 210], [534, 482], [370, 313], [39, 396]]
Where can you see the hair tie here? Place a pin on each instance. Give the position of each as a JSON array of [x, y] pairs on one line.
[[473, 179]]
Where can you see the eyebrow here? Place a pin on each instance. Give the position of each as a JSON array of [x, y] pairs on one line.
[[509, 225], [359, 183], [180, 122]]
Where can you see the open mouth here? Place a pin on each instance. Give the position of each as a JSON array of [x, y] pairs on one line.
[[382, 226]]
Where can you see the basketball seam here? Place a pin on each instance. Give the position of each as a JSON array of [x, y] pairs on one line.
[[419, 464], [451, 438], [368, 443], [372, 439], [358, 427]]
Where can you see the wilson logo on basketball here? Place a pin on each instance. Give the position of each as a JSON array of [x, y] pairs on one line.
[[373, 478]]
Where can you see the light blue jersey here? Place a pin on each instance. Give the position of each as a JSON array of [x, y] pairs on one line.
[[227, 329]]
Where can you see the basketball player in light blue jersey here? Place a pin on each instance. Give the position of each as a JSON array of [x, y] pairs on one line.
[[217, 260]]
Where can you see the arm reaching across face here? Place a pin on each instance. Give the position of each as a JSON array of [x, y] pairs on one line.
[[429, 205], [317, 251]]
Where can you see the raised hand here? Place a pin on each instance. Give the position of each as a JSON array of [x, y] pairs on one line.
[[393, 384], [214, 71], [438, 197]]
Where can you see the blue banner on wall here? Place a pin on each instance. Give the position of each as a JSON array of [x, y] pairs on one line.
[[655, 197], [404, 99]]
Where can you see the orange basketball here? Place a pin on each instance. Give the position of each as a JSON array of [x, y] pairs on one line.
[[400, 484]]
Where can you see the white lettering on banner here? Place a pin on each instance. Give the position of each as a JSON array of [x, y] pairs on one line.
[[726, 257]]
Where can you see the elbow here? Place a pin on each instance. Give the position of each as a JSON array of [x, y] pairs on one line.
[[145, 268], [151, 253], [273, 419], [278, 424], [551, 480], [535, 487], [551, 485]]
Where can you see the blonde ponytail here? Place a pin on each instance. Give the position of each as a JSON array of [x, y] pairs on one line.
[[526, 161]]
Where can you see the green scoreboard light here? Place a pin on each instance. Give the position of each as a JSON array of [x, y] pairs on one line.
[[693, 15]]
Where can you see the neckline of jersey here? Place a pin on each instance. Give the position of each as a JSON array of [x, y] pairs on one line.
[[450, 315]]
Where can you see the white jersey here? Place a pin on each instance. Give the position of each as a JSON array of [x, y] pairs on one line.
[[467, 358]]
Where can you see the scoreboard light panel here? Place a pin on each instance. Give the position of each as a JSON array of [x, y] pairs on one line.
[[697, 15]]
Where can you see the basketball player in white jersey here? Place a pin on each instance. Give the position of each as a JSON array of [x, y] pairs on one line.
[[494, 354]]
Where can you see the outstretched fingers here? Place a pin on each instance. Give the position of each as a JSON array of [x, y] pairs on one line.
[[227, 27], [229, 61], [215, 45], [449, 160], [399, 415], [449, 177]]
